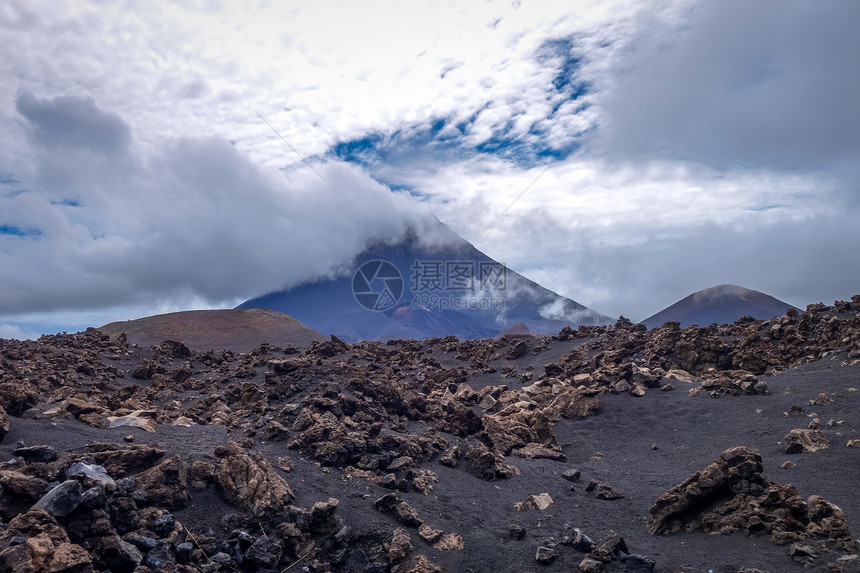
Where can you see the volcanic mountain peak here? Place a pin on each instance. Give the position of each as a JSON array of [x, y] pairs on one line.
[[431, 284], [722, 304]]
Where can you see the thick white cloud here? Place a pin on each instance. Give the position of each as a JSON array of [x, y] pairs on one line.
[[669, 146], [195, 219]]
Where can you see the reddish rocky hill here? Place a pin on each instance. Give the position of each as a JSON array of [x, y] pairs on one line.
[[237, 330]]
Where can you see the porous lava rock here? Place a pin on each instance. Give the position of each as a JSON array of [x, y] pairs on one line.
[[732, 494]]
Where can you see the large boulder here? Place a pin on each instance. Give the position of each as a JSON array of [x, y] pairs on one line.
[[732, 494], [120, 460], [804, 440], [45, 546], [249, 482], [166, 484]]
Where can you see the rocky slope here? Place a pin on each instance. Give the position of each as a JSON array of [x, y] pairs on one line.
[[590, 450]]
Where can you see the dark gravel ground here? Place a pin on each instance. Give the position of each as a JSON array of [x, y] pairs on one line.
[[614, 447]]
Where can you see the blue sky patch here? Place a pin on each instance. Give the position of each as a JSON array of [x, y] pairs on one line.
[[443, 139], [66, 203], [15, 231], [8, 179]]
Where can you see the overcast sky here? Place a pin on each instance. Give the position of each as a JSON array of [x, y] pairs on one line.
[[623, 154]]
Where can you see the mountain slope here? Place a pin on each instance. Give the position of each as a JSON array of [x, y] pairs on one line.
[[722, 304], [416, 289], [238, 330]]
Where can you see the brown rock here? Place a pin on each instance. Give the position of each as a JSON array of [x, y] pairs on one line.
[[166, 484], [537, 451], [417, 564], [76, 407], [574, 404], [69, 558], [488, 465], [17, 397], [249, 482], [449, 542], [733, 495], [788, 465], [15, 482], [607, 493], [120, 460], [799, 441], [451, 458], [539, 501], [590, 565], [44, 538], [406, 514], [429, 534], [4, 423], [400, 546]]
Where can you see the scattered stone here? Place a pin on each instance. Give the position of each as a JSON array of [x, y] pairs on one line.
[[121, 460], [400, 546], [580, 541], [605, 492], [138, 419], [405, 514], [264, 553], [449, 542], [539, 501], [788, 465], [285, 464], [161, 555], [429, 534], [516, 531], [590, 565], [571, 475], [853, 443], [545, 555], [34, 454], [639, 564], [804, 441]]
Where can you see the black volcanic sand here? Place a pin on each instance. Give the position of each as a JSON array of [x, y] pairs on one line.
[[641, 446]]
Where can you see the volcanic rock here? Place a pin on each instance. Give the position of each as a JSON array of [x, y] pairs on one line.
[[539, 501], [449, 542], [62, 500], [166, 484], [800, 441], [249, 482], [264, 553], [36, 454], [733, 495], [4, 423], [20, 484], [545, 555], [121, 459], [400, 546], [45, 546]]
